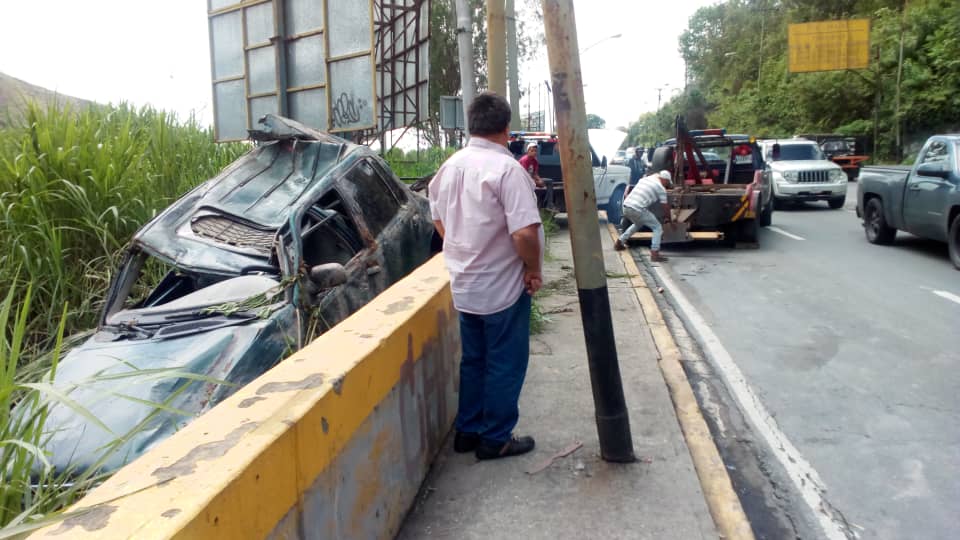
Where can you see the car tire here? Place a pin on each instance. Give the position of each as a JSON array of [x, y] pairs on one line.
[[875, 224], [615, 206], [953, 241], [662, 160], [766, 215], [836, 203]]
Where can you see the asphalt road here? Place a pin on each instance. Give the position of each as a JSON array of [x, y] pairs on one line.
[[853, 350]]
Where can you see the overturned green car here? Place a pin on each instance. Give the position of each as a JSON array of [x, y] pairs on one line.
[[248, 267]]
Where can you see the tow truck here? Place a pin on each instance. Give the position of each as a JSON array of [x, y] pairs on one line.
[[721, 190]]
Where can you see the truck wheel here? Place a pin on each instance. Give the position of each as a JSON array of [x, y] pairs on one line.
[[748, 231], [954, 242], [766, 215], [615, 206], [875, 224], [836, 202]]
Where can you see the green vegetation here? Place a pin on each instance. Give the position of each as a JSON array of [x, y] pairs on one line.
[[75, 184], [742, 84], [413, 165]]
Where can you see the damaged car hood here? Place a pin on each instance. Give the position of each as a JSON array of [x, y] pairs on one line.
[[116, 383]]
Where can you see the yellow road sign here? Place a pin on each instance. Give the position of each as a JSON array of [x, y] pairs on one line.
[[829, 45]]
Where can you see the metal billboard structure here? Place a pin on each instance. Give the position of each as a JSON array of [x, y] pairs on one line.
[[356, 66], [829, 45]]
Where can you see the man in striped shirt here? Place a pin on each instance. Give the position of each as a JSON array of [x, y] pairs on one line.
[[649, 190]]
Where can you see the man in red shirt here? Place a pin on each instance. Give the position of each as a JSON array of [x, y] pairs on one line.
[[531, 165]]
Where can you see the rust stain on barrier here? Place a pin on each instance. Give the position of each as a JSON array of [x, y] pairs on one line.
[[366, 336], [312, 381], [398, 307], [188, 463], [91, 520], [324, 425], [171, 513], [250, 401]]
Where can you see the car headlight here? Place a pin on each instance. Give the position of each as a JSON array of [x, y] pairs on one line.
[[790, 176], [837, 175]]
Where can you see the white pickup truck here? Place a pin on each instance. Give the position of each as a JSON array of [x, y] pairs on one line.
[[610, 181], [799, 171]]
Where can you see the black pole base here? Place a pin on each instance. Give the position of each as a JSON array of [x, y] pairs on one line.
[[613, 423]]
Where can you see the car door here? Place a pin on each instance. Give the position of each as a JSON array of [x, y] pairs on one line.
[[603, 183], [327, 233], [925, 200], [378, 209]]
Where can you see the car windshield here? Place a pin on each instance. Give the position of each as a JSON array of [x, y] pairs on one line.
[[148, 286], [797, 152]]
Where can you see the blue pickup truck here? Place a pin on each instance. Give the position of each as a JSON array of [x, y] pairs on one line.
[[923, 199]]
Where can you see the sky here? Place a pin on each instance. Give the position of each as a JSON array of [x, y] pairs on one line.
[[123, 50]]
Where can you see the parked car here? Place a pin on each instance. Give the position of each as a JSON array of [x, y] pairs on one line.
[[923, 199], [248, 267], [619, 158], [610, 181], [801, 172]]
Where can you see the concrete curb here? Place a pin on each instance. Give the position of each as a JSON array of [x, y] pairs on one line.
[[722, 500]]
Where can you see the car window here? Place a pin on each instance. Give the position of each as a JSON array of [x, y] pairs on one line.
[[377, 202], [797, 152], [328, 234], [937, 152]]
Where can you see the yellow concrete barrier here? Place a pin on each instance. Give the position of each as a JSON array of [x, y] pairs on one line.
[[334, 442]]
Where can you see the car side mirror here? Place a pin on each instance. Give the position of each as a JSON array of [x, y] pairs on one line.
[[603, 162], [933, 169], [328, 276]]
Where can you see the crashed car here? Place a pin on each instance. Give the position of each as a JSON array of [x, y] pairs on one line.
[[248, 267]]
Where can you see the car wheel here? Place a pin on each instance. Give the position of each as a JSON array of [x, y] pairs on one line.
[[954, 242], [662, 159], [615, 206], [875, 224], [766, 215], [836, 202]]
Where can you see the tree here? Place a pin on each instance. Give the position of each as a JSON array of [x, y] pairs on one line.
[[595, 122]]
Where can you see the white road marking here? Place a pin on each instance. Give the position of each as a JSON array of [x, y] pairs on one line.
[[949, 296], [778, 230], [805, 478]]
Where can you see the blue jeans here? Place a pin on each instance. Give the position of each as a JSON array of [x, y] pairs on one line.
[[642, 217], [496, 349]]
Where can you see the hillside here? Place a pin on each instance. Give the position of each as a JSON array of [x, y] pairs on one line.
[[13, 92]]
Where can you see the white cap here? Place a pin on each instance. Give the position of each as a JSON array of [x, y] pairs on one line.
[[665, 174]]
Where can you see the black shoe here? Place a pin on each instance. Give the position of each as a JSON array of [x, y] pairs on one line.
[[514, 447], [465, 442]]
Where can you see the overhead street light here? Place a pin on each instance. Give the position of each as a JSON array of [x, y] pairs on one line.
[[588, 47]]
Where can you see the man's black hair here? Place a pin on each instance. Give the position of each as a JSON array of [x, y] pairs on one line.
[[488, 114]]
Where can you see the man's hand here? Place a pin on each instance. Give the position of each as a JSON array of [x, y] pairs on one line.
[[532, 281], [667, 214], [537, 181]]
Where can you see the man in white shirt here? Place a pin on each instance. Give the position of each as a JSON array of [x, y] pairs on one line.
[[649, 190], [484, 206]]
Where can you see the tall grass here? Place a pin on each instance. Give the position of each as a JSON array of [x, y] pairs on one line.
[[75, 184], [412, 165]]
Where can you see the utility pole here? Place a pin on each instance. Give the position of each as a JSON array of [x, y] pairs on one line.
[[465, 49], [496, 42], [513, 67], [898, 150], [613, 423]]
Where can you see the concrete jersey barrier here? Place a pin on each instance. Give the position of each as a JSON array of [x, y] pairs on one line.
[[334, 442]]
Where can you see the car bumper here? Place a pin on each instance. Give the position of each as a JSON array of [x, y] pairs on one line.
[[809, 192]]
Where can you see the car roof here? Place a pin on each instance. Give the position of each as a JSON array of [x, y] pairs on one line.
[[255, 196]]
